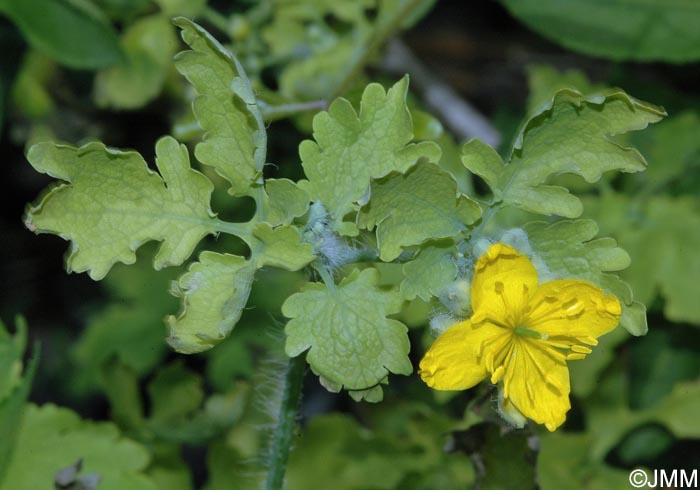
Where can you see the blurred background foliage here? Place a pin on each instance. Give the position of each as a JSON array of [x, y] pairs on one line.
[[104, 387]]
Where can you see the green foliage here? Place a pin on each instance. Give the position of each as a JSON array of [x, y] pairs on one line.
[[411, 208], [350, 341], [379, 137], [390, 223], [569, 250], [284, 201], [670, 266], [120, 462], [14, 389], [214, 292], [130, 328], [430, 272], [582, 127], [75, 34], [148, 46], [235, 140], [617, 29], [133, 204]]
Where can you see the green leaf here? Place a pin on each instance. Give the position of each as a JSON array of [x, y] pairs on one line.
[[411, 208], [609, 417], [74, 36], [570, 135], [51, 438], [214, 292], [284, 201], [11, 353], [586, 375], [672, 148], [350, 459], [660, 360], [175, 392], [14, 389], [113, 204], [148, 45], [344, 328], [31, 88], [669, 267], [282, 247], [235, 140], [545, 81], [131, 327], [569, 249], [185, 8], [121, 386], [616, 29], [317, 41], [501, 458], [564, 461], [351, 148], [430, 272]]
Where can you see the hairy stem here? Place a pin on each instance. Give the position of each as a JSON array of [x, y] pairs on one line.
[[282, 437]]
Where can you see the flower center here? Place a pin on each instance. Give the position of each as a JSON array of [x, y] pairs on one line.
[[526, 332]]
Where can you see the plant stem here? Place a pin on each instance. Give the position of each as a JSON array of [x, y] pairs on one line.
[[274, 112], [282, 438]]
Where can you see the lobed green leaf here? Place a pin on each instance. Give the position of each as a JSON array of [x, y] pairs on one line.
[[570, 135], [282, 247], [214, 292], [112, 204], [350, 341], [569, 249], [430, 272], [414, 207], [120, 462], [235, 141], [350, 148]]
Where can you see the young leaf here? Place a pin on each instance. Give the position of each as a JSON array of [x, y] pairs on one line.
[[282, 247], [214, 292], [113, 204], [429, 273], [571, 135], [569, 250], [75, 36], [351, 148], [344, 328], [149, 45], [284, 200], [120, 462], [408, 209], [235, 139]]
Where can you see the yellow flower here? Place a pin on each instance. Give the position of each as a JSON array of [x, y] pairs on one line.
[[521, 333]]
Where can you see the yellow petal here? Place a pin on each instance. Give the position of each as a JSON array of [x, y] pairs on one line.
[[456, 360], [570, 310], [503, 282], [537, 383]]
